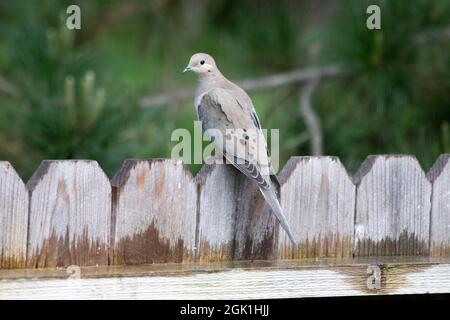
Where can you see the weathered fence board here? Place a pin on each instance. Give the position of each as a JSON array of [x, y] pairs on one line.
[[157, 212], [70, 213], [393, 206], [318, 199], [13, 218], [237, 280], [217, 214], [154, 212], [439, 175], [234, 220], [256, 228]]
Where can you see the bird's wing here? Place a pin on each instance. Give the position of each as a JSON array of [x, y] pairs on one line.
[[234, 132], [246, 103]]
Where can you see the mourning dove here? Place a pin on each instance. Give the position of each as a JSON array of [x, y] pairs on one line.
[[229, 119]]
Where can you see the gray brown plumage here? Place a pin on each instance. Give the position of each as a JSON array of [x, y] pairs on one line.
[[229, 119]]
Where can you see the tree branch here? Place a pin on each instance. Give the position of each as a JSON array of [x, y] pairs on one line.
[[433, 36], [269, 82], [7, 88], [281, 79], [312, 120]]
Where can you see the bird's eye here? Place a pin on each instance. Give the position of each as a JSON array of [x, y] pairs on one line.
[[202, 62]]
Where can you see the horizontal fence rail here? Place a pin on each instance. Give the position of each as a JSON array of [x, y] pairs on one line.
[[155, 211]]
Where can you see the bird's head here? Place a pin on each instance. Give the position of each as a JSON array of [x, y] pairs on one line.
[[201, 64]]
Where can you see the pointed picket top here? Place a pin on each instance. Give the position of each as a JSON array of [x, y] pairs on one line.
[[154, 212], [318, 200], [13, 218], [392, 207], [70, 214], [439, 176], [439, 167]]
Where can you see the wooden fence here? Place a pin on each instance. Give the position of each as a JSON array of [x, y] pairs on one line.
[[152, 211]]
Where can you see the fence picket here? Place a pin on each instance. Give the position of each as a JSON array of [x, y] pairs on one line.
[[393, 205], [318, 199], [13, 218], [154, 212], [439, 176], [70, 214]]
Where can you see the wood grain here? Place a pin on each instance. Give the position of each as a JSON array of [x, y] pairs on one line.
[[158, 212], [234, 221], [154, 212], [70, 214], [318, 199], [392, 207], [217, 212], [259, 280], [439, 176], [13, 218], [256, 228]]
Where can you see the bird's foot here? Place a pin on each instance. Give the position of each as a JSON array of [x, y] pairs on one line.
[[214, 159]]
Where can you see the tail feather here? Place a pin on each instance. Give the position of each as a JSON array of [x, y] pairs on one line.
[[271, 198]]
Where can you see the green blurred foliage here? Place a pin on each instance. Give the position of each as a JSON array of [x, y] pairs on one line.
[[79, 90], [398, 100]]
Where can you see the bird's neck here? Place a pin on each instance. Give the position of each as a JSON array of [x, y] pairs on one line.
[[210, 80]]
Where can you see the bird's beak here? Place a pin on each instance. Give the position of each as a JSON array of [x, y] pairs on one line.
[[186, 69]]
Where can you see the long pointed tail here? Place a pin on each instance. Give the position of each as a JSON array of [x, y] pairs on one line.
[[271, 198]]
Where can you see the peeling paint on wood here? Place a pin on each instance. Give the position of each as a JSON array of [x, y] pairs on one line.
[[439, 176], [154, 212], [13, 218], [318, 199], [393, 206], [70, 212]]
